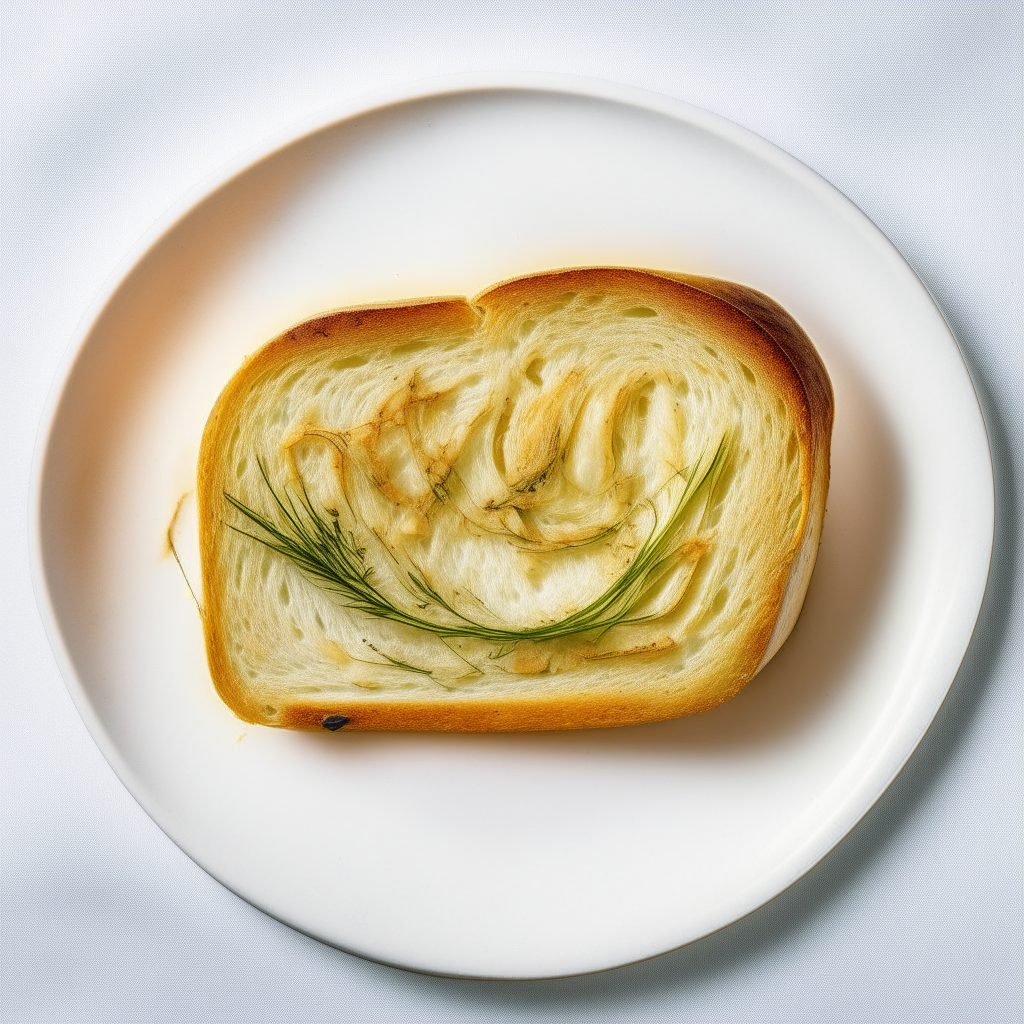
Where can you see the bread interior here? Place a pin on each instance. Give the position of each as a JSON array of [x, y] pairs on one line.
[[516, 459]]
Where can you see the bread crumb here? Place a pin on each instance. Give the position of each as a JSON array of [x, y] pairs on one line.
[[529, 660], [413, 523], [336, 652]]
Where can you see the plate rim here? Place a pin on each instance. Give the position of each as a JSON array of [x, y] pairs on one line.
[[920, 713]]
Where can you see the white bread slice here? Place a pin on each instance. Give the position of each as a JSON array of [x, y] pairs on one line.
[[516, 452]]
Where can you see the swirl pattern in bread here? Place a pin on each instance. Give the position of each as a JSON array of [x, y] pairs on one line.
[[583, 498]]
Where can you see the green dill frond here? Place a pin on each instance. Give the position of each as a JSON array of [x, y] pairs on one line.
[[333, 560]]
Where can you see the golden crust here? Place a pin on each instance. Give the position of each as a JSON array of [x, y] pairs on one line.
[[815, 389], [751, 323]]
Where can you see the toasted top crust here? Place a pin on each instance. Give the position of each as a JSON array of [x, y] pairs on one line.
[[516, 450]]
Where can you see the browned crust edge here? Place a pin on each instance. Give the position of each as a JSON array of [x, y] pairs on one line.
[[807, 364], [752, 321]]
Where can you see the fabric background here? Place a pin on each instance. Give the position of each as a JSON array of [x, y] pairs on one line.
[[113, 110]]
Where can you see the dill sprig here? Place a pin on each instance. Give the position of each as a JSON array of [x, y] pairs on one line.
[[332, 558]]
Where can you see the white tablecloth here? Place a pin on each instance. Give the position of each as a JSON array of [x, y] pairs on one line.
[[114, 110]]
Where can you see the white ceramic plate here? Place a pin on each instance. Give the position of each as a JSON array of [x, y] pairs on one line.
[[522, 855]]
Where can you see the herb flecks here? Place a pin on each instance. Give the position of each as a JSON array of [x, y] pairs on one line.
[[331, 557]]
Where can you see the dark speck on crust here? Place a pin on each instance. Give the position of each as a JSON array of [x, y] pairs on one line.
[[335, 722]]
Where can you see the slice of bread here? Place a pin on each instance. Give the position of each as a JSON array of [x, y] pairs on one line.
[[583, 498]]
